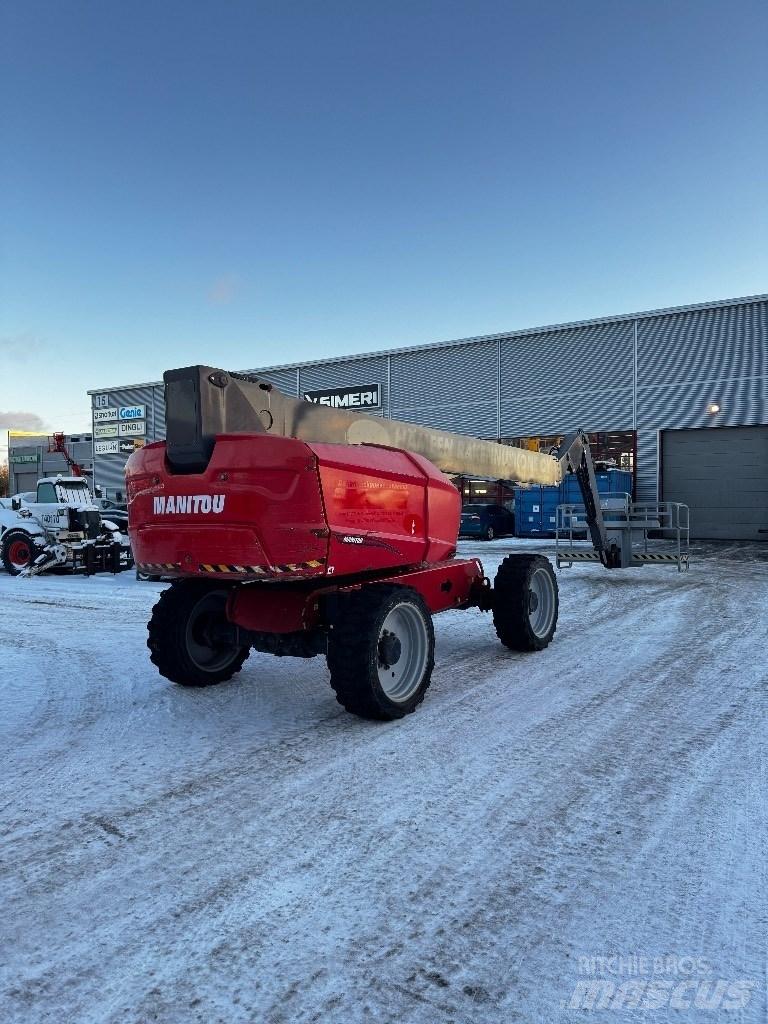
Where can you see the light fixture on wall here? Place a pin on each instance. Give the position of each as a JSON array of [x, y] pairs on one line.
[[713, 408]]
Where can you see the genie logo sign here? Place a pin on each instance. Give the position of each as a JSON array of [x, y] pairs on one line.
[[131, 412], [365, 396], [186, 504]]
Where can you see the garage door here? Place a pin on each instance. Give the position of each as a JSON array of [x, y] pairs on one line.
[[722, 474], [25, 481]]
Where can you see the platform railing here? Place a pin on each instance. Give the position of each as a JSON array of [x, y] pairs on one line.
[[630, 525]]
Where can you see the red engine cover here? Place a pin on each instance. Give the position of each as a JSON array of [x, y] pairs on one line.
[[275, 507]]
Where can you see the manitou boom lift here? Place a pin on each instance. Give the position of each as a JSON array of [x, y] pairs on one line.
[[295, 529]]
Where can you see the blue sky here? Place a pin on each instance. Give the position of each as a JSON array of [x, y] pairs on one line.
[[252, 183]]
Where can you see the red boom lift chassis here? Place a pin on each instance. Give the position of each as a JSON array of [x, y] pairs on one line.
[[297, 547]]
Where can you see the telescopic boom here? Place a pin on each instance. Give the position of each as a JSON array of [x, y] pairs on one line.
[[202, 402]]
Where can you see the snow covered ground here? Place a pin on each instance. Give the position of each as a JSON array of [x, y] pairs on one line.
[[251, 852]]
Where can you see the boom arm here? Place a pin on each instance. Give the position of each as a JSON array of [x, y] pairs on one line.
[[574, 456], [202, 402]]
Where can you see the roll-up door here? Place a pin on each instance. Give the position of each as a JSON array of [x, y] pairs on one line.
[[721, 473]]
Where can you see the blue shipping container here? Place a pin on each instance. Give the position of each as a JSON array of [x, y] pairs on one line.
[[528, 515], [536, 507], [611, 481]]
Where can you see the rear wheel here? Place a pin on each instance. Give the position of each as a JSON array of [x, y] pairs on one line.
[[18, 551], [525, 602], [381, 651], [489, 534], [188, 635]]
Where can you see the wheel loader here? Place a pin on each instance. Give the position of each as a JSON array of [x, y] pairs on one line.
[[60, 528], [297, 529]]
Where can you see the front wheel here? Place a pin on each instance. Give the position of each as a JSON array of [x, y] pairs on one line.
[[381, 651], [489, 533], [525, 602], [188, 637], [18, 551]]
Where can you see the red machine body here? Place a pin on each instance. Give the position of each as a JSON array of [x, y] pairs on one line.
[[290, 546], [278, 508], [302, 519]]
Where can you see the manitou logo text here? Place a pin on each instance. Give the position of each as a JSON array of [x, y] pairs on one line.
[[196, 504]]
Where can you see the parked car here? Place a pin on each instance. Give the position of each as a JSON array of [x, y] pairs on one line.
[[115, 511], [486, 521]]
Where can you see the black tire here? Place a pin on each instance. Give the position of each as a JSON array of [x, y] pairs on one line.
[[489, 534], [360, 649], [145, 577], [13, 542], [179, 642], [525, 602]]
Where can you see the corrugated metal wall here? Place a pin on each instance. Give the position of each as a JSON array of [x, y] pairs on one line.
[[560, 380], [647, 470], [453, 388], [687, 361], [648, 373], [109, 470]]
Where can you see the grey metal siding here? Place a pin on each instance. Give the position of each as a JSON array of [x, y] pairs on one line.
[[453, 388], [156, 429], [728, 343], [647, 469], [687, 361], [742, 403], [559, 380]]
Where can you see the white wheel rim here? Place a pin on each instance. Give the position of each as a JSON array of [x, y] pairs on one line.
[[541, 602], [403, 633]]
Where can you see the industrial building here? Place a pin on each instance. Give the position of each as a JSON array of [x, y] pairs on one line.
[[679, 395], [32, 455]]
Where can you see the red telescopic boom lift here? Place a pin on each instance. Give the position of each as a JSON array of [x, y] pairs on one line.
[[57, 443], [296, 529]]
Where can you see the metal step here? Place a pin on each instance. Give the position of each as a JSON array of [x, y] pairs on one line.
[[638, 557]]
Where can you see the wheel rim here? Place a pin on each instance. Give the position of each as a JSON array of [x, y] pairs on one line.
[[541, 602], [490, 533], [402, 650], [205, 653], [19, 554]]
